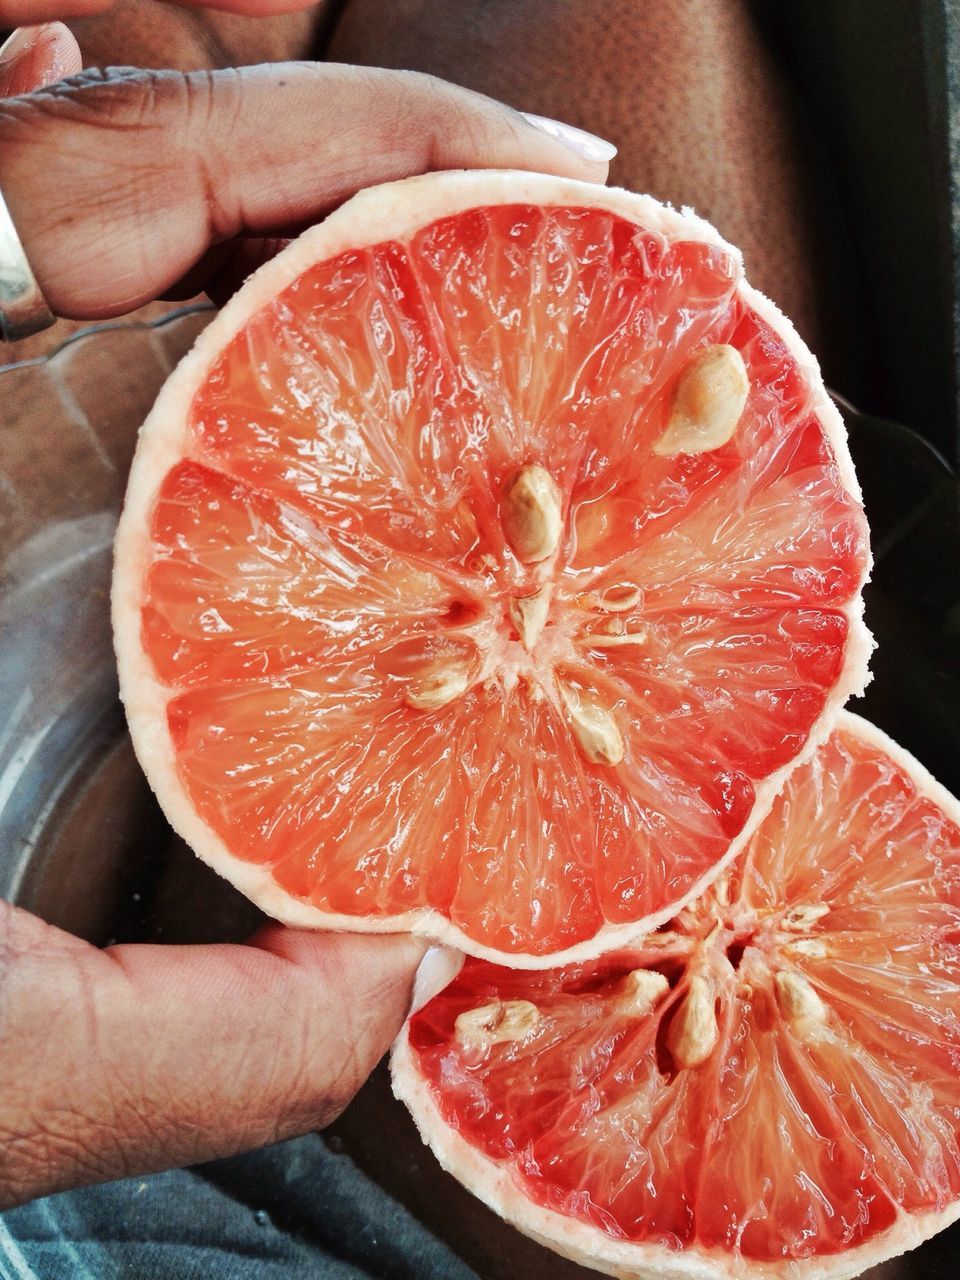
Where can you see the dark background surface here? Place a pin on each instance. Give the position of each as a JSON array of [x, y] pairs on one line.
[[878, 86]]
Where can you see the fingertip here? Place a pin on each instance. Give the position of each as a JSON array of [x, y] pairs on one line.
[[563, 150], [472, 131], [62, 52], [436, 970], [588, 146], [369, 957], [575, 152], [37, 56]]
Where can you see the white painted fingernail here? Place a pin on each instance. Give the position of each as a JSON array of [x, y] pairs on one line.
[[437, 969], [584, 144]]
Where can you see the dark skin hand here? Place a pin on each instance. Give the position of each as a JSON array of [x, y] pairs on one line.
[[141, 1057], [190, 36], [19, 12], [153, 175]]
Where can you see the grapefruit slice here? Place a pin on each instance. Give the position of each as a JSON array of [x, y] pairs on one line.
[[486, 566], [768, 1087]]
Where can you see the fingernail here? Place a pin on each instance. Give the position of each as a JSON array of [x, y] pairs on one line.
[[22, 41], [437, 969], [584, 144]]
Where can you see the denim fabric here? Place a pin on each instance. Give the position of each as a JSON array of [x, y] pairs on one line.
[[292, 1210]]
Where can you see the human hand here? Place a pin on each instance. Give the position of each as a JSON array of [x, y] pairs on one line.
[[128, 185], [139, 1058], [42, 50], [18, 12], [142, 1057], [146, 33]]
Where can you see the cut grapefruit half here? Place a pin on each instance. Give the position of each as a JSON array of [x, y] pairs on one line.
[[486, 566], [768, 1087]]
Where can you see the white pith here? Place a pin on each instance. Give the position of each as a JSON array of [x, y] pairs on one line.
[[493, 1182], [394, 212]]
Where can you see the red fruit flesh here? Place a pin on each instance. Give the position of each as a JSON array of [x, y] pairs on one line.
[[797, 1137], [337, 527]]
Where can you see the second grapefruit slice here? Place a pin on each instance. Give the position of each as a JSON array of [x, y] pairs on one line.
[[767, 1089], [486, 567]]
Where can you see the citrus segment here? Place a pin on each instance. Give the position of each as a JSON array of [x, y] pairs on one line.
[[240, 588], [419, 627], [783, 1100]]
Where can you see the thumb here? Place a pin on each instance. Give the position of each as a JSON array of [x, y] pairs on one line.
[[119, 181], [146, 1057]]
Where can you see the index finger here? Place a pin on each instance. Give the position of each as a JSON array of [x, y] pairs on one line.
[[118, 182], [14, 13]]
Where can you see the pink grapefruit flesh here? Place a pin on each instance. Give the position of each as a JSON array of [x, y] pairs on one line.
[[486, 567], [767, 1087]]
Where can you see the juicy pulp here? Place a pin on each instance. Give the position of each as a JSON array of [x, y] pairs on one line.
[[812, 1127], [334, 530]]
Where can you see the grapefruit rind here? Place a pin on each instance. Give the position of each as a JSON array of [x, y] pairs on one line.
[[394, 211], [492, 1181]]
